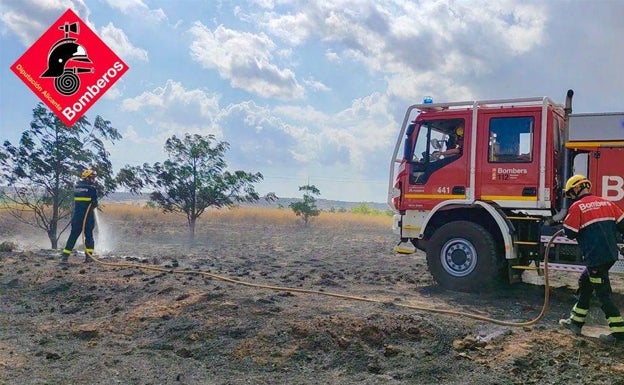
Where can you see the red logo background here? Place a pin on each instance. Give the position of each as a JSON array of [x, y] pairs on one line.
[[106, 67]]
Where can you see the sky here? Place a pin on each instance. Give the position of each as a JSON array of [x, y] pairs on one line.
[[314, 92]]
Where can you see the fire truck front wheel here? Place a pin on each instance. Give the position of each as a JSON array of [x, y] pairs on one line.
[[461, 256]]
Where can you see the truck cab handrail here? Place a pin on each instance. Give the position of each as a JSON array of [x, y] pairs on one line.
[[469, 104]]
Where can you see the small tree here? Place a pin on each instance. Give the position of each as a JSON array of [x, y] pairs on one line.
[[193, 179], [306, 208], [44, 165]]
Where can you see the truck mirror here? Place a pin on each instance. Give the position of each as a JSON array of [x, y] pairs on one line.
[[407, 150]]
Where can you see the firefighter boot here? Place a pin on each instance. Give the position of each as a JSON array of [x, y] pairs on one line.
[[612, 339], [62, 264], [405, 247], [64, 257], [569, 324]]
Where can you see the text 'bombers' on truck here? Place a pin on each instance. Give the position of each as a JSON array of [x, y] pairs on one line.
[[478, 185]]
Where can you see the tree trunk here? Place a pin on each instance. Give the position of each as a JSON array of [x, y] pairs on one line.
[[52, 237], [53, 230], [191, 223]]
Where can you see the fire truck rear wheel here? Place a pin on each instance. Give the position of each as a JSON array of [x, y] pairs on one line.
[[462, 256]]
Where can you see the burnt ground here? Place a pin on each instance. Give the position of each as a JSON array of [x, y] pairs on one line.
[[94, 324]]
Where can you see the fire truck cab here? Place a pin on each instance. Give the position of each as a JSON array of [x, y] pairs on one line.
[[478, 185]]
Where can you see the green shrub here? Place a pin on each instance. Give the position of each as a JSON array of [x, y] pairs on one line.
[[8, 246]]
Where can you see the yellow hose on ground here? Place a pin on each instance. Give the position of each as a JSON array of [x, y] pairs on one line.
[[342, 296]]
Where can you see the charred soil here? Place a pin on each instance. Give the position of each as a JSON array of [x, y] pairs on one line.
[[93, 324]]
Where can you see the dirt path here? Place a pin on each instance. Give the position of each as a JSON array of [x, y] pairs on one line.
[[95, 325]]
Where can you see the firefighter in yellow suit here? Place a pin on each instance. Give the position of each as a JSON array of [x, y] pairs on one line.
[[85, 201]]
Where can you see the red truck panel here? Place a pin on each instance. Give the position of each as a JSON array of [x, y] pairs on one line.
[[606, 171]]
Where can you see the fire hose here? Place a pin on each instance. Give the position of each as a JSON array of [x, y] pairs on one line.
[[234, 281]]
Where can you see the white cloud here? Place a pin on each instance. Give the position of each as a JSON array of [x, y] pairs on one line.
[[28, 19], [315, 85], [267, 4], [406, 39], [332, 57], [172, 109], [293, 29], [27, 30], [300, 136], [137, 8], [118, 41], [113, 93], [246, 60]]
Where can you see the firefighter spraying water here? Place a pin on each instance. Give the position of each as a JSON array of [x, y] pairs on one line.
[[83, 219]]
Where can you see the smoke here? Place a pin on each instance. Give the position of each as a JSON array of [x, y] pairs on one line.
[[30, 242]]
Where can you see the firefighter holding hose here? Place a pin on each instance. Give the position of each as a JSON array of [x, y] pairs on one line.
[[85, 201], [593, 222]]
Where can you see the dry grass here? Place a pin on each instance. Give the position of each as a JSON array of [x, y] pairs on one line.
[[122, 220], [247, 214]]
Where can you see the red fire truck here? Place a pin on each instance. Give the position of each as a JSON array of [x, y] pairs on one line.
[[478, 185]]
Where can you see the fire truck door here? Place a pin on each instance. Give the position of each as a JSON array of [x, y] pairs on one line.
[[439, 171], [607, 174], [508, 158]]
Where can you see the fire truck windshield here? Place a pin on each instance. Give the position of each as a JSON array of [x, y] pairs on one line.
[[436, 143], [437, 139]]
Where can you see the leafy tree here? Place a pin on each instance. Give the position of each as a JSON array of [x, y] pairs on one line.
[[306, 208], [44, 165], [192, 179]]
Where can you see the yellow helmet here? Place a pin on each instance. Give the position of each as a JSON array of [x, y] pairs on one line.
[[575, 181], [459, 131], [87, 173]]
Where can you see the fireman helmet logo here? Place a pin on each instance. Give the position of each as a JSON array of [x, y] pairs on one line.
[[66, 80], [69, 67]]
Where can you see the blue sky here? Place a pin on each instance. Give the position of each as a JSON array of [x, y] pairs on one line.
[[315, 91]]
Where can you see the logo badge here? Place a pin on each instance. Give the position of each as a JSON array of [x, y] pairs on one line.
[[69, 68]]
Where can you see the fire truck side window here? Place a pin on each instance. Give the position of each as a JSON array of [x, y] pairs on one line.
[[511, 140], [581, 164]]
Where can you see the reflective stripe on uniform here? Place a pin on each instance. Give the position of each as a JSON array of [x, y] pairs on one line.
[[578, 314], [612, 320], [82, 199], [616, 324], [596, 280], [65, 251], [580, 311]]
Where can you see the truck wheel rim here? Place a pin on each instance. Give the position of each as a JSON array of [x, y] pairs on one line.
[[458, 257]]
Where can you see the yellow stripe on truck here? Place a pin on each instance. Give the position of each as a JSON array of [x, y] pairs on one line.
[[484, 197], [594, 144], [434, 196], [507, 198]]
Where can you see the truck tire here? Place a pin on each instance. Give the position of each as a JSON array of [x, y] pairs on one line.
[[462, 256]]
